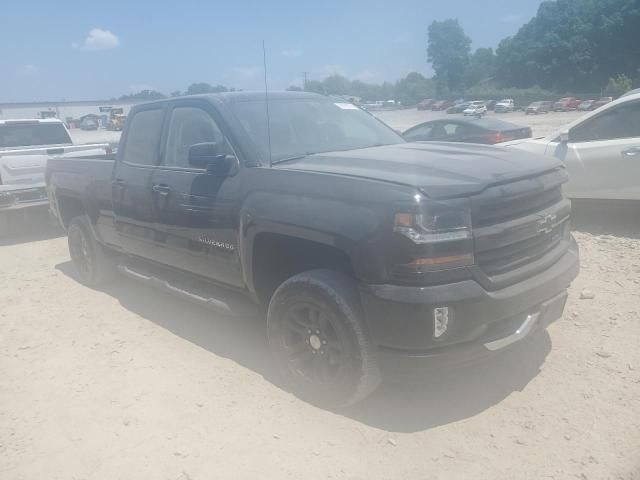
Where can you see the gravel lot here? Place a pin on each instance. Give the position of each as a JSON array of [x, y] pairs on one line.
[[126, 383]]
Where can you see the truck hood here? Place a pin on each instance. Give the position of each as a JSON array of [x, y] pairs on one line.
[[438, 169]]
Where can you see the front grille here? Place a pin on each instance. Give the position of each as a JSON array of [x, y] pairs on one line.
[[508, 258], [513, 200], [519, 223]]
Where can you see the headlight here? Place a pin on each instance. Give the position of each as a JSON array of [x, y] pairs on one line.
[[433, 228], [440, 234], [436, 222]]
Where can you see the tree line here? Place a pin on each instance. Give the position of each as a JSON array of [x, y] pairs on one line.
[[569, 46], [193, 89]]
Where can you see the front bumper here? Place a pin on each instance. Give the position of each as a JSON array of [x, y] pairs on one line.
[[401, 318]]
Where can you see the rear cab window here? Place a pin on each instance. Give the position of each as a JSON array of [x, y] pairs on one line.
[[32, 134], [142, 145]]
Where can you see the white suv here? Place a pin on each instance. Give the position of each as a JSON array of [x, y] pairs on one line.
[[504, 106], [475, 108]]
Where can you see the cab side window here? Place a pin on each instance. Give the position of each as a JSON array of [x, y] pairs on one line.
[[619, 122], [189, 126], [143, 138]]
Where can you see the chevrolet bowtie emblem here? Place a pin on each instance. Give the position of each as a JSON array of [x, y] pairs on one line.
[[546, 224]]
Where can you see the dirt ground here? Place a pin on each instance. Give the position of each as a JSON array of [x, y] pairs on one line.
[[127, 383]]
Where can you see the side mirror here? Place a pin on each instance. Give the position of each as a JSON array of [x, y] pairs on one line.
[[209, 156], [564, 136], [202, 154]]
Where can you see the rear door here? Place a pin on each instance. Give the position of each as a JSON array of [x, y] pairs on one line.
[[131, 190], [603, 155], [198, 208]]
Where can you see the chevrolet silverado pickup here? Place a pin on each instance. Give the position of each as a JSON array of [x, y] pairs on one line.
[[371, 256], [25, 147]]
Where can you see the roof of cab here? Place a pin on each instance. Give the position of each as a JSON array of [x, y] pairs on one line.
[[236, 97]]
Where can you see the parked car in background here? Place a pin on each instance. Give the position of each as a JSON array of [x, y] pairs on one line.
[[458, 108], [25, 148], [89, 124], [425, 104], [440, 105], [491, 104], [601, 102], [586, 105], [601, 151], [475, 108], [566, 104], [481, 130], [505, 106], [538, 107]]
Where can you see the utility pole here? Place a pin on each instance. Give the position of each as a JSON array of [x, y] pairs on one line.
[[304, 80]]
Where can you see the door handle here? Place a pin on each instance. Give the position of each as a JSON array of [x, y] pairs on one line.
[[631, 152], [161, 190]]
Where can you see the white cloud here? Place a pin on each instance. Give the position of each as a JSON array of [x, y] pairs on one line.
[[98, 39], [28, 69], [511, 18], [293, 52]]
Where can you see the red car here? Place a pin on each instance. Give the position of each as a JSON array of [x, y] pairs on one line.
[[440, 105], [425, 104], [566, 104]]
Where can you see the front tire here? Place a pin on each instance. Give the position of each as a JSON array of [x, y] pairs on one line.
[[93, 266], [321, 343]]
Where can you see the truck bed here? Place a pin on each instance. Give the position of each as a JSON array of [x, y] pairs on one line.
[[85, 179]]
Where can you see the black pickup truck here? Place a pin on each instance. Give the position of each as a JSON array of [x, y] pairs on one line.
[[369, 254]]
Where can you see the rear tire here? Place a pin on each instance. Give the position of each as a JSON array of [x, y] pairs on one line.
[[321, 343], [93, 266]]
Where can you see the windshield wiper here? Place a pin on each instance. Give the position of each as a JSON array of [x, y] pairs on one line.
[[291, 159]]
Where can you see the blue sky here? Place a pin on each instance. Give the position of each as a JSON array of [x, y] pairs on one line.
[[77, 50]]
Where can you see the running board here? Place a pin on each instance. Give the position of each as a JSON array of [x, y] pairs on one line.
[[156, 282]]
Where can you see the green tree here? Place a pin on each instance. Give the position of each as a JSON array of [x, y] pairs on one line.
[[203, 87], [413, 88], [448, 52], [481, 67], [618, 85], [573, 45], [175, 93], [337, 85], [143, 96]]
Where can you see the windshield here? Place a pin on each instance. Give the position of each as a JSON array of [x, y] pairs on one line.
[[33, 134], [304, 126]]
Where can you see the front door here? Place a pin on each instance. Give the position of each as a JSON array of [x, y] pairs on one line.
[[133, 201], [198, 214]]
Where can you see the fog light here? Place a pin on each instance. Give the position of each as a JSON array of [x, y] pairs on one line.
[[440, 321]]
